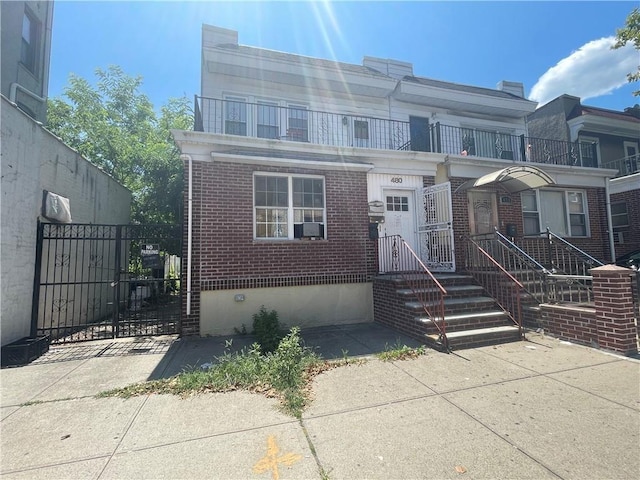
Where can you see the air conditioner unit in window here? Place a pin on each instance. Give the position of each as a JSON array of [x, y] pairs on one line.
[[308, 230]]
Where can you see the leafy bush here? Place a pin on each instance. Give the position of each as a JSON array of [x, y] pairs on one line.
[[267, 329]]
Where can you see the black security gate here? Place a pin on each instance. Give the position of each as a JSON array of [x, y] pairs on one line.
[[106, 281]]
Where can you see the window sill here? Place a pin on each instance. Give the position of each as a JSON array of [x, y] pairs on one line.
[[294, 241]]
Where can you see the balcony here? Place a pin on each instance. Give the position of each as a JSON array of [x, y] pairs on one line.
[[625, 166], [299, 124]]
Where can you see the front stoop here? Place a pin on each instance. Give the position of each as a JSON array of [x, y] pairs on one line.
[[472, 318]]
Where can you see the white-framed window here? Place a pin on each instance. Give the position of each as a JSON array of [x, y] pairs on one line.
[[361, 133], [564, 212], [235, 116], [298, 123], [619, 214], [284, 201], [267, 120]]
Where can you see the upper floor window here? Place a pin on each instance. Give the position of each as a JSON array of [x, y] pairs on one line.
[[298, 123], [361, 133], [268, 120], [235, 117], [28, 52], [284, 202], [563, 212]]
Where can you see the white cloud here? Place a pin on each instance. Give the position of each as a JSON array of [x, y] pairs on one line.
[[591, 71]]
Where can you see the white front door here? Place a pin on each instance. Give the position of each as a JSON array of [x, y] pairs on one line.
[[399, 215]]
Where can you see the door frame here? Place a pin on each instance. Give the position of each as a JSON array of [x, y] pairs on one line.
[[411, 193], [470, 210]]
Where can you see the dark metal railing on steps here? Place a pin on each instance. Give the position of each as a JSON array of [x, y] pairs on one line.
[[496, 280], [397, 257], [558, 255], [551, 269], [526, 269]]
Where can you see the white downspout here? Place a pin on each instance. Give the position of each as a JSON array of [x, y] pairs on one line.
[[189, 227], [609, 222]]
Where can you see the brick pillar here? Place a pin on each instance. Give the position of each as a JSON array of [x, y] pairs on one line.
[[615, 316]]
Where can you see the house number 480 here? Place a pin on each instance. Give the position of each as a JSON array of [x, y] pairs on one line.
[[396, 180]]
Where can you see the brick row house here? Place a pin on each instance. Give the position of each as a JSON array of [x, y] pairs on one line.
[[300, 171], [610, 139]]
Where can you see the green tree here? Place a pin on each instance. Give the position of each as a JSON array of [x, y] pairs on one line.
[[115, 127], [630, 33]]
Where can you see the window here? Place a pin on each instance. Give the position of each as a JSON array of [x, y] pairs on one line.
[[298, 123], [397, 204], [589, 151], [619, 215], [631, 158], [268, 120], [530, 213], [563, 212], [235, 116], [281, 202], [28, 52], [361, 133], [577, 214]]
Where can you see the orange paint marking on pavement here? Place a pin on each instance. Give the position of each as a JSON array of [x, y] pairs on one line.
[[271, 460]]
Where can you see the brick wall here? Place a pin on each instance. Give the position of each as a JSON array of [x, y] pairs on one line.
[[226, 255], [610, 324]]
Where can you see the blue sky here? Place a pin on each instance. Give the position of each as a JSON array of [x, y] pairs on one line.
[[552, 47]]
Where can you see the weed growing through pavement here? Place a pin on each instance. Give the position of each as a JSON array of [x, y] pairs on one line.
[[400, 351], [284, 374]]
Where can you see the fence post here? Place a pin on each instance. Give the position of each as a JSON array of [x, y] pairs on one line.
[[35, 298], [615, 312]]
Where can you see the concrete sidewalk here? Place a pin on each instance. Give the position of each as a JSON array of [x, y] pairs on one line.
[[536, 409]]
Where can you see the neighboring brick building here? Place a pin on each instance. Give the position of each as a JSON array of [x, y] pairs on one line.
[[608, 139]]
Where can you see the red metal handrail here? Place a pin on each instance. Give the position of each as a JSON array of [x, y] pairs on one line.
[[396, 256], [494, 278]]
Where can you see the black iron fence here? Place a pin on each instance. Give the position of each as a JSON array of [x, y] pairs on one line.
[[106, 281]]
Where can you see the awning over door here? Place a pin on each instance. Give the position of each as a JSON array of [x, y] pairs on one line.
[[513, 179]]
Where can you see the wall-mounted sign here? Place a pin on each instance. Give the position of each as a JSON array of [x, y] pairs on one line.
[[150, 254]]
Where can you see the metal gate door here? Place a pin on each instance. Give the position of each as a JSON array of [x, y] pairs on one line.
[[106, 281], [435, 229]]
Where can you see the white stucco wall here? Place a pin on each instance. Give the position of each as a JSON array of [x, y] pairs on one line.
[[310, 306], [34, 160]]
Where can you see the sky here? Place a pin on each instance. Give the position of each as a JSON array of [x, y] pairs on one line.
[[553, 48]]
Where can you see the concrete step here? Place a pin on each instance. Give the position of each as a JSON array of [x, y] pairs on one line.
[[452, 290], [468, 321], [453, 305], [477, 337]]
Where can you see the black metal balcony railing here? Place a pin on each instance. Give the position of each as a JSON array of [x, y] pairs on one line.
[[262, 120], [294, 123]]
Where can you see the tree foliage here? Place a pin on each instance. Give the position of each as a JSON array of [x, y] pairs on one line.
[[630, 33], [115, 127]]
